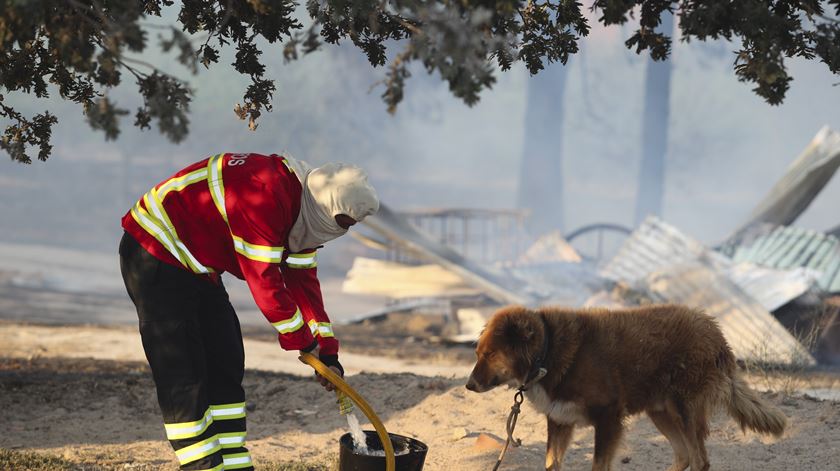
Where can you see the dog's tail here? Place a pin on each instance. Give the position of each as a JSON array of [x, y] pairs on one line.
[[751, 412]]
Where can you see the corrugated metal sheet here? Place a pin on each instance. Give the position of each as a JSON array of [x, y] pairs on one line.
[[793, 247], [656, 245], [800, 184], [771, 287], [752, 332], [653, 246], [673, 267]]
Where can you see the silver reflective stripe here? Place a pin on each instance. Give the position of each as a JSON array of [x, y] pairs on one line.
[[159, 234], [175, 433], [228, 411], [201, 268], [231, 440], [240, 460], [182, 181], [188, 429], [153, 203], [289, 325], [192, 452], [300, 260], [263, 253], [216, 184], [325, 330]]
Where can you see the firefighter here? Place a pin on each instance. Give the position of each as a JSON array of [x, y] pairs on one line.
[[260, 218]]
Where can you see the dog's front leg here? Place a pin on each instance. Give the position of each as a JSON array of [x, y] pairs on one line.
[[559, 436], [608, 430]]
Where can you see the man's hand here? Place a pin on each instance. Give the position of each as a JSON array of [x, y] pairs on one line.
[[314, 351], [324, 381]]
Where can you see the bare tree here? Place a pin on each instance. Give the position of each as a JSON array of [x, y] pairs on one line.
[[541, 172], [655, 122]]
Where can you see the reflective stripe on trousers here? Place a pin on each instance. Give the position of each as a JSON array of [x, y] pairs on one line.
[[216, 441], [229, 422]]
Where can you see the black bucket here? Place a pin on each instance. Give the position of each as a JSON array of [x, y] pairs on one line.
[[410, 461]]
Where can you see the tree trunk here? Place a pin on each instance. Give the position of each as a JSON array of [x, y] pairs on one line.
[[655, 132], [541, 173]]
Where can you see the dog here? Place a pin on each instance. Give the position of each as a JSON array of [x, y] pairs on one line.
[[670, 362]]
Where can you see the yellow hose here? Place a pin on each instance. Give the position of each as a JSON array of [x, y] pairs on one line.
[[342, 386]]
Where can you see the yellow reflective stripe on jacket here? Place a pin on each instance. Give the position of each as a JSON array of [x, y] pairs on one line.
[[289, 325], [262, 253], [228, 411], [231, 439], [217, 186], [302, 260], [179, 183], [155, 204], [154, 219], [151, 225], [237, 460], [198, 450], [324, 329], [145, 221], [177, 431]]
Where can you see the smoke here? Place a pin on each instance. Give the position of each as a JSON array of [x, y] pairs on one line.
[[725, 148]]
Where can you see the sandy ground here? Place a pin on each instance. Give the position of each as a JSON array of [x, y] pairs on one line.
[[85, 394], [123, 343]]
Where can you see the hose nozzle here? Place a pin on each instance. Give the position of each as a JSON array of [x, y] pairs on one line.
[[345, 404]]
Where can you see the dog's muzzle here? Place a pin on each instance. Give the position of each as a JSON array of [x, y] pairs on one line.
[[475, 386]]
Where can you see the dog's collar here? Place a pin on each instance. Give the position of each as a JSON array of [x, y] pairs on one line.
[[538, 370]]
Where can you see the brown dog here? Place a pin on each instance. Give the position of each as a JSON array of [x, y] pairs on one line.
[[670, 362]]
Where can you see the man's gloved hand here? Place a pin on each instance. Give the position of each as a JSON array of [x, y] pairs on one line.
[[312, 349], [330, 360]]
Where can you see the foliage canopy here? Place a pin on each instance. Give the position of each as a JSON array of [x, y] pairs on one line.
[[84, 48]]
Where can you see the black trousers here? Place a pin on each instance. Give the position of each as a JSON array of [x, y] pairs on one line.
[[193, 343]]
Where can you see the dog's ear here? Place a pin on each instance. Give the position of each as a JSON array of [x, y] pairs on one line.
[[517, 329]]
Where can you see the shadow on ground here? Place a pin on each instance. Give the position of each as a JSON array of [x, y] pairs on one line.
[[57, 402]]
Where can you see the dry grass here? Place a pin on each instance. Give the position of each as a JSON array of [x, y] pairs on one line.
[[29, 461], [787, 380], [299, 466]]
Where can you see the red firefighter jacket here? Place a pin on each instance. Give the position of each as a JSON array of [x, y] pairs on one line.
[[232, 213]]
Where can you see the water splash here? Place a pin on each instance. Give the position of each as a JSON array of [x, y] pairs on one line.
[[360, 446], [359, 437]]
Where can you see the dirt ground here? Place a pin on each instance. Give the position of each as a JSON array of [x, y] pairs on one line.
[[83, 394]]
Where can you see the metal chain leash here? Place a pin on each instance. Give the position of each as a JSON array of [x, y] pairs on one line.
[[510, 426]]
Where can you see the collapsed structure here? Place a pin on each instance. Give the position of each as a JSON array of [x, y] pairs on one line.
[[771, 286]]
